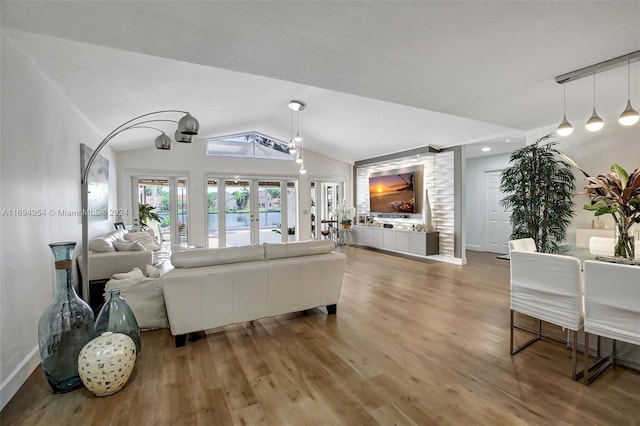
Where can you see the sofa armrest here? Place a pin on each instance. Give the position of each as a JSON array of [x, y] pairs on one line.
[[103, 265]]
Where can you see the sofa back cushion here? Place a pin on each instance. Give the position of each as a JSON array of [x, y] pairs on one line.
[[297, 248], [216, 256], [104, 244], [143, 238]]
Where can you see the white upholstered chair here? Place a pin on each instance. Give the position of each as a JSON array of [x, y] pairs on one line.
[[547, 287], [523, 244], [612, 308], [601, 246]]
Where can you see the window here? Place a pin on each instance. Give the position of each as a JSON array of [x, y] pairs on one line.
[[249, 145]]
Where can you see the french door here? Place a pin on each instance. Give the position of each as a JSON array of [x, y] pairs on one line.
[[168, 197], [242, 211]]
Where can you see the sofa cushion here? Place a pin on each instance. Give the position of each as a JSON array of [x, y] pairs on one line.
[[104, 243], [128, 246], [216, 256], [297, 248], [143, 238], [134, 273]]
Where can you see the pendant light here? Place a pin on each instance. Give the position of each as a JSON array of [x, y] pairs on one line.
[[292, 144], [629, 116], [565, 128], [594, 123]]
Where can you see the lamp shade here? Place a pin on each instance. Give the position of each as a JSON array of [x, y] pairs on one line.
[[629, 116], [182, 138], [594, 123], [163, 141], [188, 125], [565, 128]]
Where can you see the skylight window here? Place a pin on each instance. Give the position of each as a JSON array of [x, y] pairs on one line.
[[249, 145]]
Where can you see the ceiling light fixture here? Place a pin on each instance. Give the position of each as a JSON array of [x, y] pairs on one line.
[[297, 142], [565, 128], [594, 123], [486, 149], [629, 116]]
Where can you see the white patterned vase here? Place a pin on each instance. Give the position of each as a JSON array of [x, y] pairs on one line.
[[106, 362]]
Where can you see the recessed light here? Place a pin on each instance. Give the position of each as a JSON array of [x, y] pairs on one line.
[[486, 149]]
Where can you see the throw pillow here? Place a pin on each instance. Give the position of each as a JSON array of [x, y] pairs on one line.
[[134, 273], [153, 272], [101, 245], [143, 238], [128, 246]]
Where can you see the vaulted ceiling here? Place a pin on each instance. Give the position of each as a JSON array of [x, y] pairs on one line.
[[378, 77]]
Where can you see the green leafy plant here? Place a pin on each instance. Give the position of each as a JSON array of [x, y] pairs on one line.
[[539, 187], [146, 213], [618, 194]]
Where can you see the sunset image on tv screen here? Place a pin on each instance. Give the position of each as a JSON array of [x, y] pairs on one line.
[[392, 194]]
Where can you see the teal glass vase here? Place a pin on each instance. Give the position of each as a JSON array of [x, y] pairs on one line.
[[65, 326], [116, 316]]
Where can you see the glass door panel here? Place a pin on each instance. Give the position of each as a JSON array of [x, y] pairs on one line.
[[238, 217], [212, 214], [269, 213], [155, 192], [182, 212], [292, 208]]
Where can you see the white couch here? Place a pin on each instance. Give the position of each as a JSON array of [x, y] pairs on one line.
[[210, 288], [117, 252]]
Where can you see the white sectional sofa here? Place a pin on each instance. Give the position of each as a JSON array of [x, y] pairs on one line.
[[209, 288]]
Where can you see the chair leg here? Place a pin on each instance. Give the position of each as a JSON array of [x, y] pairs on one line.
[[574, 355], [585, 369], [537, 335]]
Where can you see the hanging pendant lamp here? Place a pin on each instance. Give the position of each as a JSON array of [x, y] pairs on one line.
[[594, 123], [565, 128], [629, 116]]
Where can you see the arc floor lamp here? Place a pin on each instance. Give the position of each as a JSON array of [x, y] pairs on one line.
[[187, 127]]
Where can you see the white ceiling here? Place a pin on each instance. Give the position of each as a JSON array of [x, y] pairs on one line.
[[378, 77]]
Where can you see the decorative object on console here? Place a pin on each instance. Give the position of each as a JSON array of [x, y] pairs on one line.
[[539, 190], [106, 363], [187, 125], [117, 316], [346, 213], [618, 194], [428, 219], [65, 326]]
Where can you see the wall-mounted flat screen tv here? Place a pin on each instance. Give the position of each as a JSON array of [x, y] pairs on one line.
[[392, 193]]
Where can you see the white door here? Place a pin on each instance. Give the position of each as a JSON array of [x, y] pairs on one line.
[[498, 230]]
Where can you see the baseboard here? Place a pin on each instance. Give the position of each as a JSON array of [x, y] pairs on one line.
[[18, 376], [474, 247]]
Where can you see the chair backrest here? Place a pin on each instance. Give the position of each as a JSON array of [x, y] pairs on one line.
[[612, 300], [548, 287], [601, 246], [523, 244]]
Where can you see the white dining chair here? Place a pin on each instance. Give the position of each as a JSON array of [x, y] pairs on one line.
[[611, 309], [523, 244], [547, 287]]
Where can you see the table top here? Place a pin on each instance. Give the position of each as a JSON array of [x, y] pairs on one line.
[[583, 254]]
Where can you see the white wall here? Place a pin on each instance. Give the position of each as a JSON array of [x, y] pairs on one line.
[[594, 153], [40, 169], [191, 161], [475, 197]]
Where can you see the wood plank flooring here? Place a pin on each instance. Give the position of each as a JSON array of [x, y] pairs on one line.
[[414, 343]]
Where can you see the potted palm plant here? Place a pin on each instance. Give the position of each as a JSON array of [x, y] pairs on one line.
[[617, 193], [539, 187], [146, 213]]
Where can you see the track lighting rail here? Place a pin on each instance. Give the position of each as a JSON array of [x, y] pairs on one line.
[[602, 66]]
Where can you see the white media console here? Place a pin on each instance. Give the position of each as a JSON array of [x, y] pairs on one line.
[[398, 240]]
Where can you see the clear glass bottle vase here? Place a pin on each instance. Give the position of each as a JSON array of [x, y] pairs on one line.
[[116, 316], [65, 326]]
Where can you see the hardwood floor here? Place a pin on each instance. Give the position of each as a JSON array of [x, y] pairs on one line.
[[414, 343]]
